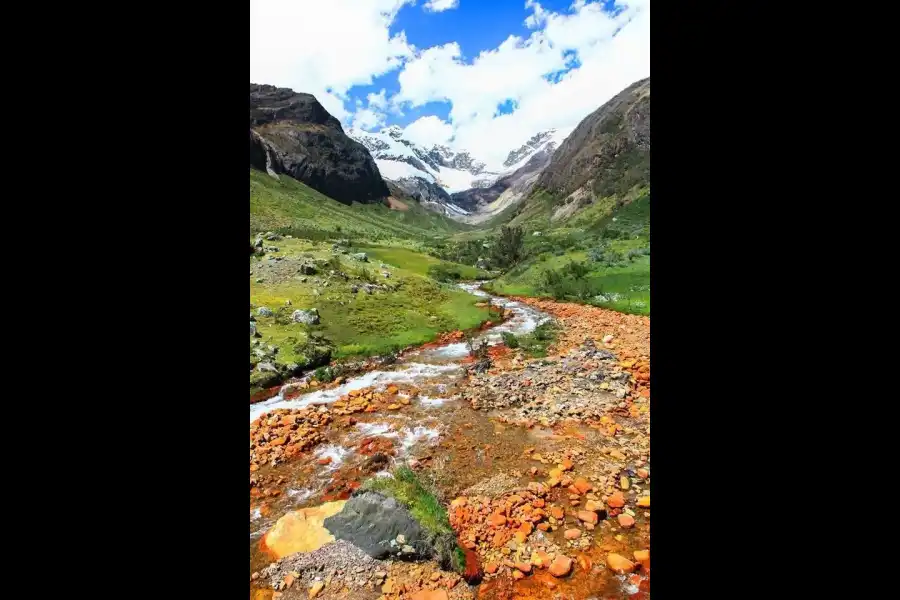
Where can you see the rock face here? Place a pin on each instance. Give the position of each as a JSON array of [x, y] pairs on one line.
[[301, 530], [509, 190], [607, 154], [292, 133], [371, 521]]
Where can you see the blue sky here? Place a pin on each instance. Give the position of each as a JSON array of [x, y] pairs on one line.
[[483, 75]]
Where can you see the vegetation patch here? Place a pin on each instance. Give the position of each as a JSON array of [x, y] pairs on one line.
[[408, 489]]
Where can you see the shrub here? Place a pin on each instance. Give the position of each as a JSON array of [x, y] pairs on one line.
[[510, 339], [444, 272], [324, 374]]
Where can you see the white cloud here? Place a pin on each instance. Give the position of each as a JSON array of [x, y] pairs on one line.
[[428, 131], [377, 100], [440, 5], [324, 48], [368, 119], [614, 52]]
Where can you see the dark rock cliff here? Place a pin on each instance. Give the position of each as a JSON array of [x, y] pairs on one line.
[[292, 133]]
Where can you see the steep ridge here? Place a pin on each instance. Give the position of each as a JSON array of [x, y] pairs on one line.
[[525, 165], [292, 133], [607, 155]]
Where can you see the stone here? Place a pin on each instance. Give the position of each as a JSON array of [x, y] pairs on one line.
[[430, 595], [307, 317], [517, 574], [624, 483], [572, 534], [643, 557], [561, 566], [497, 520], [315, 589], [556, 512], [588, 516], [360, 256], [619, 564], [643, 473], [626, 521], [582, 485], [371, 521], [617, 500], [262, 311], [491, 567], [644, 502], [301, 530], [524, 567], [585, 562], [595, 506]]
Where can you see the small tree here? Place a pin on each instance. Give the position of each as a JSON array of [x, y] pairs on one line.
[[508, 249]]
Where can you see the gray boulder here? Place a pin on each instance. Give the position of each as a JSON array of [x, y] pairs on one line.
[[360, 256], [264, 312], [308, 269], [307, 317], [354, 288], [252, 328], [267, 366], [371, 522]]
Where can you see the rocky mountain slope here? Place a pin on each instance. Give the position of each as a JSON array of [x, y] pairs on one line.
[[607, 155], [450, 181], [292, 133], [524, 166]]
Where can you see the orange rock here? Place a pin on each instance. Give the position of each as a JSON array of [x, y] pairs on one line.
[[643, 473], [574, 491], [540, 559], [430, 595], [539, 503], [461, 501], [392, 389], [644, 502], [582, 485], [280, 441], [556, 512], [584, 561], [324, 461], [626, 521], [619, 564], [544, 526], [491, 567], [524, 567], [524, 531], [617, 500], [588, 516], [393, 406], [555, 473], [566, 481], [643, 557], [497, 520], [566, 465], [594, 506], [517, 574], [572, 534], [561, 566]]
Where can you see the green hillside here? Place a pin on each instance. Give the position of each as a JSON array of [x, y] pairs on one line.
[[288, 206]]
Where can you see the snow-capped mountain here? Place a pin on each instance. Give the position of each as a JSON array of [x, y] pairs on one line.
[[431, 175]]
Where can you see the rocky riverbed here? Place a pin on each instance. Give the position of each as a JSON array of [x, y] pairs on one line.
[[542, 464]]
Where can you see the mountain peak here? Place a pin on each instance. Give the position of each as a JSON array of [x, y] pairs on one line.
[[529, 147]]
